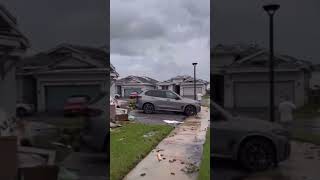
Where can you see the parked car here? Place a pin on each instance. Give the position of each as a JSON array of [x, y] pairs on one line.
[[133, 95], [96, 135], [255, 143], [23, 109], [76, 105], [165, 100]]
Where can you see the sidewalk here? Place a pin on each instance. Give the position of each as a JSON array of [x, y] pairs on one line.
[[180, 152]]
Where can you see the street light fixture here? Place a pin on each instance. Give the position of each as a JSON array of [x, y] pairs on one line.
[[271, 10], [194, 81]]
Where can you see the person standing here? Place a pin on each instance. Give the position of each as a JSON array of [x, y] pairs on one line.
[[286, 108]]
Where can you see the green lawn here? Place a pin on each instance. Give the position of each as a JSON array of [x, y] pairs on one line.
[[204, 172], [307, 111], [305, 136], [128, 146]]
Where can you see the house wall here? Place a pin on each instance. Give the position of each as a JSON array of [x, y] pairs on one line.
[[7, 103], [66, 79], [143, 88], [203, 88], [315, 79], [296, 77]]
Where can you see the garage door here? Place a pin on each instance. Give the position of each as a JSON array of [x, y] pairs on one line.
[[257, 94], [189, 91], [56, 95], [127, 92]]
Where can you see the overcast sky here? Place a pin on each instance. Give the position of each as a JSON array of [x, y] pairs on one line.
[[48, 23], [297, 31], [160, 38]]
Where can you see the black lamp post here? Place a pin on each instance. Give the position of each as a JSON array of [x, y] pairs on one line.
[[271, 9], [194, 80]]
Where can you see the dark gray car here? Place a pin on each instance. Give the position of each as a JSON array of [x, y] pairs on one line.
[[257, 144], [165, 100]]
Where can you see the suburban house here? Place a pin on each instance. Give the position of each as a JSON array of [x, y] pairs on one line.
[[130, 84], [48, 78], [240, 76], [184, 85], [13, 45], [315, 77], [113, 79]]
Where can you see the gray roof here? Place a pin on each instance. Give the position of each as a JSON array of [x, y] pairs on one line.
[[184, 79], [9, 28], [253, 56], [137, 79]]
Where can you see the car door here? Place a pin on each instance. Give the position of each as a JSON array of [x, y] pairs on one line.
[[172, 101], [157, 98]]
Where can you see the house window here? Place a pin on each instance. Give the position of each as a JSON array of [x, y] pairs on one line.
[[165, 87]]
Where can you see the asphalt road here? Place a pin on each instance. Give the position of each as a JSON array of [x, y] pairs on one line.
[[157, 117]]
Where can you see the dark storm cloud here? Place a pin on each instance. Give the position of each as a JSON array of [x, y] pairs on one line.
[[48, 23], [296, 31], [166, 35]]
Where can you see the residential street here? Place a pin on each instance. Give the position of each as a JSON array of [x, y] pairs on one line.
[[157, 118], [179, 155]]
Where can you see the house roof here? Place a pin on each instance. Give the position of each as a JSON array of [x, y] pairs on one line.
[[261, 60], [182, 79], [10, 36], [252, 56], [90, 57], [136, 80]]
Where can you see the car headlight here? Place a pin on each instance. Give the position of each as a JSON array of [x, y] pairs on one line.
[[281, 132]]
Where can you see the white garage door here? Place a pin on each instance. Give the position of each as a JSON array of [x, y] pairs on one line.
[[251, 95], [189, 91]]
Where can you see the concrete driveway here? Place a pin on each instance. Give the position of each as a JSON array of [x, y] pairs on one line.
[[302, 165], [157, 117]]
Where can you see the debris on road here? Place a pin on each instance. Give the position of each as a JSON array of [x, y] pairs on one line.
[[173, 173], [142, 174], [131, 118], [172, 122]]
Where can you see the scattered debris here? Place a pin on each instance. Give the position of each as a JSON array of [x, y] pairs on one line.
[[114, 125], [149, 134], [131, 118], [164, 158], [172, 122], [190, 168], [142, 174], [160, 150], [172, 173], [182, 162], [159, 157]]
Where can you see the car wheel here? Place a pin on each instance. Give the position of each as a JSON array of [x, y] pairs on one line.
[[257, 154], [21, 112], [190, 110], [148, 108]]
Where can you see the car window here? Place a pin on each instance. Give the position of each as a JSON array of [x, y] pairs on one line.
[[170, 95], [150, 93]]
